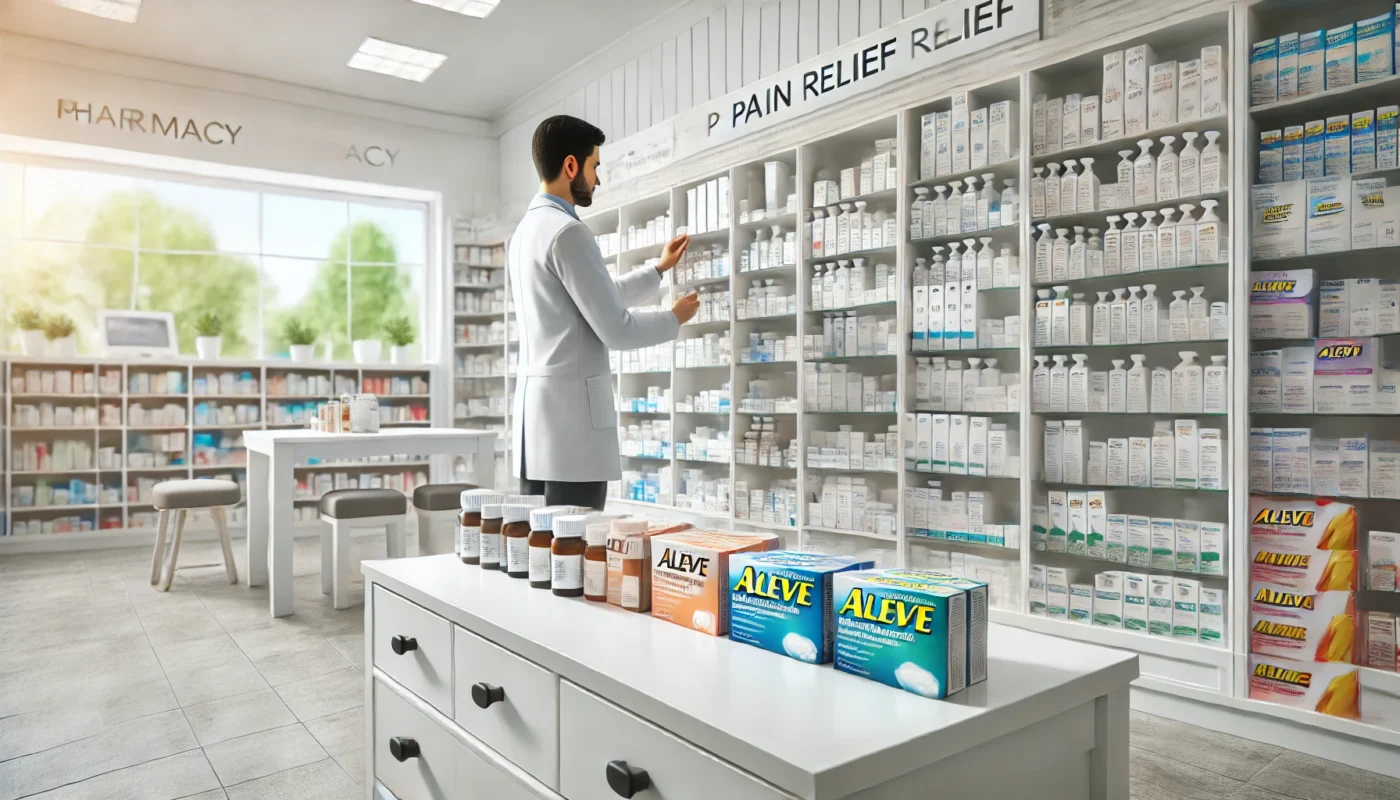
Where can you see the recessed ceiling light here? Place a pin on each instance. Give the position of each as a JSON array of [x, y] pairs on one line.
[[119, 10], [396, 60], [471, 8]]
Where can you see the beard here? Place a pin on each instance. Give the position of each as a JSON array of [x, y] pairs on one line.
[[582, 192]]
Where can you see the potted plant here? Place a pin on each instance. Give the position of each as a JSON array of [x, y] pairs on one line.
[[59, 330], [367, 351], [301, 340], [30, 325], [209, 340], [401, 336]]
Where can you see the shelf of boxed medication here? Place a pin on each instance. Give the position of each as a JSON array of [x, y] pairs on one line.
[[930, 538], [832, 258], [1179, 567], [1118, 278], [1332, 102], [1100, 217], [883, 537], [1043, 349], [1111, 147], [993, 234], [877, 304]]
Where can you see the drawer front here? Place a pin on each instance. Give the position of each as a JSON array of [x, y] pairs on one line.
[[520, 719], [479, 780], [596, 735], [426, 669], [432, 774]]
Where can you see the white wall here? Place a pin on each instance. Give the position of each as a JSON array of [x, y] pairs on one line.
[[282, 127]]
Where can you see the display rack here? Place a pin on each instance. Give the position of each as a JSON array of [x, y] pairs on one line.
[[484, 344], [142, 422]]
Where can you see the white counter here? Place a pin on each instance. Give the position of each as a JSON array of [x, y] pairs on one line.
[[1049, 708]]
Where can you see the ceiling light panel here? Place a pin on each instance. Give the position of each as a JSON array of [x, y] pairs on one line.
[[396, 60], [470, 8], [119, 10]]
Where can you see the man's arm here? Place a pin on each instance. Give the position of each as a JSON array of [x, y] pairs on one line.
[[580, 268], [637, 285]]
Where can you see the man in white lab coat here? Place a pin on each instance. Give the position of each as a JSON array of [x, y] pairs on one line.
[[571, 313]]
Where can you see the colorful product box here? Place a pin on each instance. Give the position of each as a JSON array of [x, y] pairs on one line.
[[1270, 157], [1280, 219], [1375, 48], [1312, 63], [1382, 560], [1363, 141], [1341, 56], [1305, 626], [1336, 145], [978, 601], [1387, 137], [1108, 599], [1263, 72], [1329, 214], [1283, 305], [909, 634], [690, 576], [1288, 66], [1293, 152], [781, 601], [1315, 149], [1302, 525], [1318, 571], [1332, 689], [1344, 375]]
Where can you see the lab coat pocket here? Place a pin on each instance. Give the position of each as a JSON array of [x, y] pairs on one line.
[[600, 402]]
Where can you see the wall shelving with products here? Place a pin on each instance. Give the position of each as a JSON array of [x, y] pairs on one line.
[[89, 438], [484, 354]]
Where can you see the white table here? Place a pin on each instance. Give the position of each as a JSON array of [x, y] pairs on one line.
[[272, 486], [583, 684]]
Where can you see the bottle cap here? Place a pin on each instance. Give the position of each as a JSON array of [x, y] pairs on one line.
[[542, 519], [571, 525], [531, 500], [474, 499], [629, 526], [491, 511], [515, 512]]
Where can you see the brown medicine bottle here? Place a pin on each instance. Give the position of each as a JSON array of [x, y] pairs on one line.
[[595, 563], [515, 534], [566, 555], [489, 555], [538, 569], [469, 523]]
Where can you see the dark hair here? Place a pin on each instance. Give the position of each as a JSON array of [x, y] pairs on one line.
[[558, 138]]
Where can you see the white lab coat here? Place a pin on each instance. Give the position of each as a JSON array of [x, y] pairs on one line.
[[570, 314]]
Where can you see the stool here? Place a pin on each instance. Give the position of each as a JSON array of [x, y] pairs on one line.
[[181, 497], [344, 509], [438, 506]]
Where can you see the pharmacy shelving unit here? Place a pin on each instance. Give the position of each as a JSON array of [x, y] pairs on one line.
[[481, 369], [934, 542], [1064, 555], [173, 437], [1380, 688]]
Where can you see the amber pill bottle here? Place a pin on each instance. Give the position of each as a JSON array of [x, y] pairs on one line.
[[595, 563], [489, 555], [566, 555]]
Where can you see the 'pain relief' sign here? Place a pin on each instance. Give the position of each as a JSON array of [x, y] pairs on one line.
[[949, 31]]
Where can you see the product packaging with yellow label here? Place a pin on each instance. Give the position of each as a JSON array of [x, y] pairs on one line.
[[1307, 626]]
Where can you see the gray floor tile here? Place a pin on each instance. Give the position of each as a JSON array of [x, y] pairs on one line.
[[324, 780], [240, 715], [214, 794], [120, 746], [318, 697], [111, 650], [353, 762], [181, 618], [1220, 753], [1304, 776], [133, 682], [288, 651], [261, 754], [350, 645], [339, 732], [22, 734], [1251, 792], [42, 630], [208, 669], [1154, 777], [170, 778]]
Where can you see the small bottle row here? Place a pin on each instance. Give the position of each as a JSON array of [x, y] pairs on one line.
[[710, 350], [705, 444], [768, 298], [833, 388], [850, 228], [647, 439], [769, 252], [60, 455], [769, 347], [1062, 320], [775, 505], [848, 335], [959, 518], [1178, 455], [990, 268], [706, 401], [853, 450], [847, 503], [1156, 605], [702, 264], [1148, 247], [943, 384], [1187, 389], [1142, 180], [959, 444], [852, 283], [657, 401], [714, 306], [952, 210]]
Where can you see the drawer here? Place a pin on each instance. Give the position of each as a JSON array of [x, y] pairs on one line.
[[509, 703], [596, 738], [425, 665], [428, 772]]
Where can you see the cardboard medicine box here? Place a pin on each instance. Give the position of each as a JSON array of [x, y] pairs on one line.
[[781, 601], [906, 633], [690, 576]]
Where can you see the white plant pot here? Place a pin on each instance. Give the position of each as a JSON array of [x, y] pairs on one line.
[[303, 353], [367, 351], [67, 347], [401, 354], [32, 343], [208, 347]]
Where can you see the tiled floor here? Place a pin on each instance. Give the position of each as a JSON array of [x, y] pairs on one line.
[[112, 690]]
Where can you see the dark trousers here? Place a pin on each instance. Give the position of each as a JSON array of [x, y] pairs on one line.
[[588, 494]]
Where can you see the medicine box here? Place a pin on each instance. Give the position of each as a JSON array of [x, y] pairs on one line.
[[1136, 77], [1312, 75], [1302, 525], [1212, 616], [1302, 625], [1319, 571], [1288, 66], [1375, 47], [1333, 689], [1159, 605], [1340, 43], [781, 601], [1283, 305], [1186, 613], [690, 576], [1134, 601], [1344, 375], [1280, 219], [1382, 561], [1263, 72], [1111, 105], [904, 633], [978, 602], [1380, 641], [1363, 141]]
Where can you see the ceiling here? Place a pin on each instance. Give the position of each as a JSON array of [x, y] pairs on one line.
[[491, 62]]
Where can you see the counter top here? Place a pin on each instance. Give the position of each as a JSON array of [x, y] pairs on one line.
[[809, 730]]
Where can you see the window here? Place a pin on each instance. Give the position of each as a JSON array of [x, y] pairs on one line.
[[77, 240]]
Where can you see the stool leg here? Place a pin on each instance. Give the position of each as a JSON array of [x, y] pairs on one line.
[[174, 550], [327, 558], [158, 557], [340, 534], [221, 522], [394, 543]]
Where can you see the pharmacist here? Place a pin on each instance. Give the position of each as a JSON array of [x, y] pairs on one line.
[[571, 313]]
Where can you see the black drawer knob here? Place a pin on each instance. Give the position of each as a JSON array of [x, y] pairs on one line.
[[484, 694], [403, 748], [402, 644], [627, 780]]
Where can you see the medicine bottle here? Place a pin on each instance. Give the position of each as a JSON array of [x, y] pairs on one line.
[[541, 537], [490, 553], [515, 534], [469, 523], [566, 555], [595, 563]]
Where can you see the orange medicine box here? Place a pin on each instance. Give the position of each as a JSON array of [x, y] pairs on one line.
[[690, 576]]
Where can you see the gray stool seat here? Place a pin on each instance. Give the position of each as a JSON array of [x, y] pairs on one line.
[[198, 493], [440, 496], [358, 503]]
